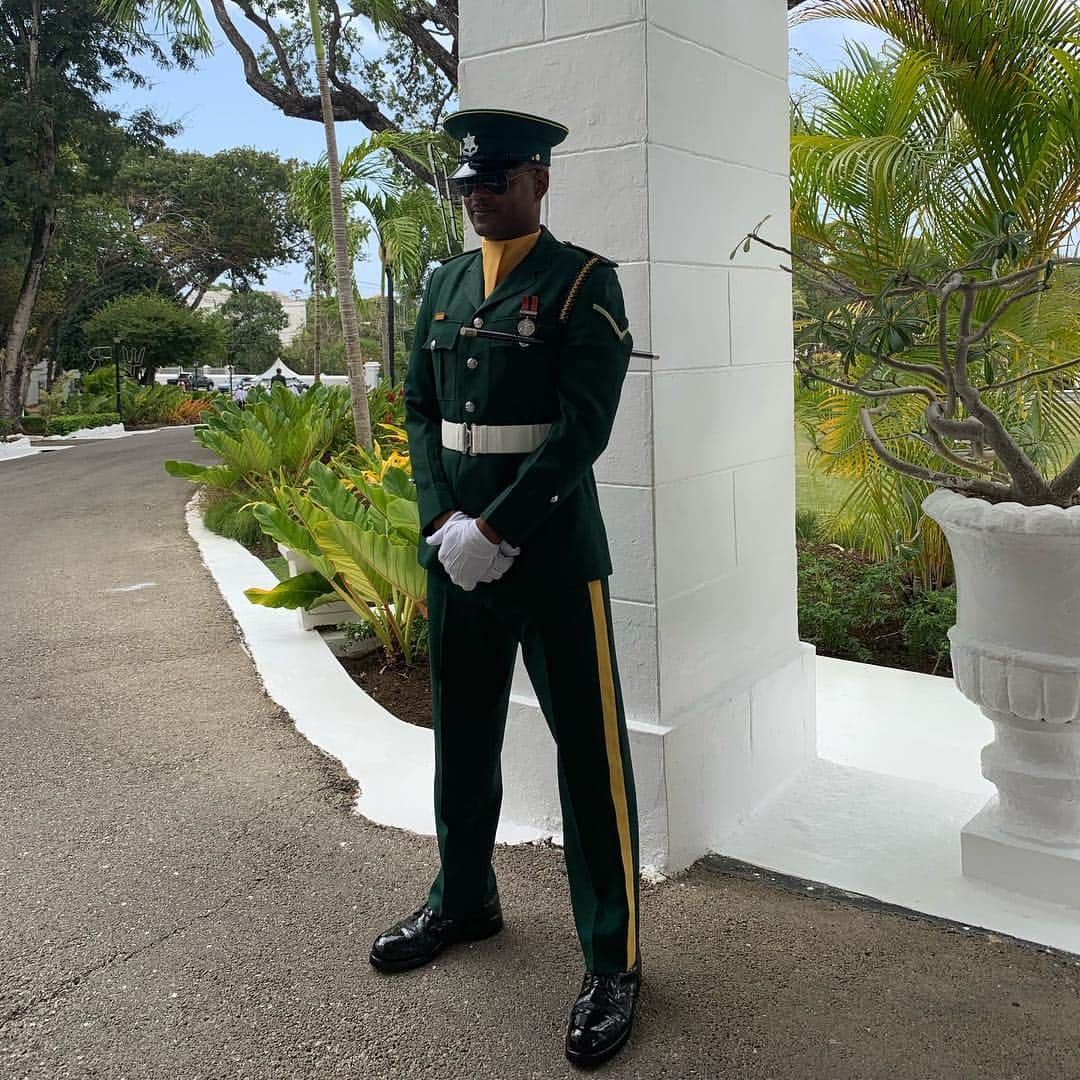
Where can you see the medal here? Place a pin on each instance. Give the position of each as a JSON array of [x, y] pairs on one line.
[[530, 308]]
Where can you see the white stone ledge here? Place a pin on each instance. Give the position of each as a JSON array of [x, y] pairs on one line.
[[731, 58], [715, 159], [560, 155], [787, 455]]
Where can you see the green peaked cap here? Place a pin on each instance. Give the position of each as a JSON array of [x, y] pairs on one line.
[[499, 138]]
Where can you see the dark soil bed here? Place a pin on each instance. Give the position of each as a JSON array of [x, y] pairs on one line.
[[404, 692]]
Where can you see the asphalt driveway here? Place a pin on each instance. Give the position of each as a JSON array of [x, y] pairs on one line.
[[185, 893]]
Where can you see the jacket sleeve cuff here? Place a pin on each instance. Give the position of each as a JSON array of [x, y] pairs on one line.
[[432, 504]]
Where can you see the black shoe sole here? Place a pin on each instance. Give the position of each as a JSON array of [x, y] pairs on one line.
[[473, 933], [591, 1061]]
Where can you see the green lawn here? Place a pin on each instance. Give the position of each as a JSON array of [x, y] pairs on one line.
[[814, 490]]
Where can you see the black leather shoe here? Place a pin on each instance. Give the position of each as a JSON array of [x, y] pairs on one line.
[[602, 1015], [423, 935]]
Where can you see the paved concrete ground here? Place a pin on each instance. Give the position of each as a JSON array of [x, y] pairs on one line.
[[184, 892]]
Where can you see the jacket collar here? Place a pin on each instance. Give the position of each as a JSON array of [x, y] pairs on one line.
[[518, 280]]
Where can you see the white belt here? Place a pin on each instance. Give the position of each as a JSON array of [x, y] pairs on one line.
[[493, 438]]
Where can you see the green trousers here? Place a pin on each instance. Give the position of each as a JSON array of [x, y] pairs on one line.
[[569, 651]]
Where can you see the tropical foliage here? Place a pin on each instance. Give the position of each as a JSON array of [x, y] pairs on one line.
[[404, 219], [959, 145], [360, 536], [271, 442]]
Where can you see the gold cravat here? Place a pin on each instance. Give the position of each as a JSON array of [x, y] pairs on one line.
[[501, 256]]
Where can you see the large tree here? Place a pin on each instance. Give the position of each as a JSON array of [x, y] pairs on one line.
[[152, 331], [207, 216], [251, 323], [407, 87], [56, 140]]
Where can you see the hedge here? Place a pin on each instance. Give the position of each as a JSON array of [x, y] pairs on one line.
[[65, 425], [33, 425]]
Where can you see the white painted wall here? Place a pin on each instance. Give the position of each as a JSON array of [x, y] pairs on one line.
[[678, 146]]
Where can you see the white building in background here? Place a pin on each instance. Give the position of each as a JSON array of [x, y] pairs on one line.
[[294, 303]]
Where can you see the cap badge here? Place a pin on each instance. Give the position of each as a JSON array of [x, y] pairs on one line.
[[468, 146]]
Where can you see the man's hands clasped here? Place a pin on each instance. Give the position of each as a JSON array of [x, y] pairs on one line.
[[467, 555]]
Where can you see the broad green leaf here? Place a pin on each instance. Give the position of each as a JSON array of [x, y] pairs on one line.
[[301, 591]]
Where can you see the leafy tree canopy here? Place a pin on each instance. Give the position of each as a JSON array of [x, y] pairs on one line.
[[154, 332], [251, 324], [202, 217]]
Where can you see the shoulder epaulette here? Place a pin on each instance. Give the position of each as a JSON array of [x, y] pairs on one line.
[[459, 255], [602, 259]]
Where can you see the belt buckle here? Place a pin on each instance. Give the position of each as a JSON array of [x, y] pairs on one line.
[[468, 439]]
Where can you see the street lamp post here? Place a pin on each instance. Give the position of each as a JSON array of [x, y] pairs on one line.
[[116, 366]]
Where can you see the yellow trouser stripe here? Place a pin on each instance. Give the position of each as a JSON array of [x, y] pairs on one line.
[[614, 757]]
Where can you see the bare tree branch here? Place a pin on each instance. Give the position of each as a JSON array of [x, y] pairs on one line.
[[348, 102]]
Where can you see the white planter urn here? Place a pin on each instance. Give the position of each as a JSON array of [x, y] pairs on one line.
[[1016, 654]]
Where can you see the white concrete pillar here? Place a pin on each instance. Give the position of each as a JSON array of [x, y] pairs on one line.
[[678, 146]]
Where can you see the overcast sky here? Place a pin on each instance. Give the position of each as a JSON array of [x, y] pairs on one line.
[[218, 110]]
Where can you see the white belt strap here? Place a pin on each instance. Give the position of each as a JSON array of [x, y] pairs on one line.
[[493, 438]]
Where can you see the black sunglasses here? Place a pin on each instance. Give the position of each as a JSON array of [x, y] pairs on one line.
[[495, 183]]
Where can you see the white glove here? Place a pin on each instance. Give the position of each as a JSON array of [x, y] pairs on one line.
[[504, 559], [468, 556]]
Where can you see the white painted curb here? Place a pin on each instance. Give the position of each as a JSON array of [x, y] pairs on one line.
[[16, 449], [392, 762]]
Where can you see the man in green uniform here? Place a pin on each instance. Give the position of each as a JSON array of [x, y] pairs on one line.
[[520, 353]]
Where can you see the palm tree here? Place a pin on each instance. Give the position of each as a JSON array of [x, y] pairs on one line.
[[342, 263], [185, 17], [402, 219], [964, 137]]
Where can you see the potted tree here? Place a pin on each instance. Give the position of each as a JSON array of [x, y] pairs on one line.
[[949, 398]]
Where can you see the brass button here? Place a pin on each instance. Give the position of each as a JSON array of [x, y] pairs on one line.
[[478, 322], [470, 406], [471, 362]]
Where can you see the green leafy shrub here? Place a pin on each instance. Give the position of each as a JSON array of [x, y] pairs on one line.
[[271, 442], [853, 608], [156, 404], [387, 404], [231, 516], [360, 536], [67, 423], [926, 628], [33, 425]]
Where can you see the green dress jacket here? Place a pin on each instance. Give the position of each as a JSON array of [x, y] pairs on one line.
[[571, 377]]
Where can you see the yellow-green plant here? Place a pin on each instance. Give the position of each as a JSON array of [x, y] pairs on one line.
[[271, 442], [361, 538]]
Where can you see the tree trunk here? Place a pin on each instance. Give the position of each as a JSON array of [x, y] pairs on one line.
[[316, 357], [389, 367], [14, 373], [346, 300]]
